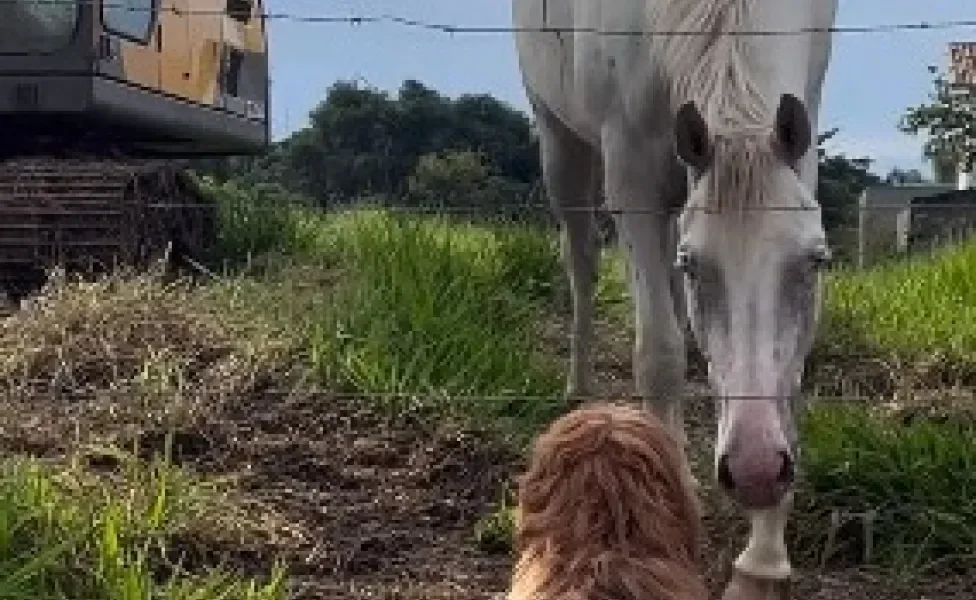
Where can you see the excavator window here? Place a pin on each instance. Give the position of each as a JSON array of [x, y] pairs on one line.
[[132, 19], [232, 72], [31, 27]]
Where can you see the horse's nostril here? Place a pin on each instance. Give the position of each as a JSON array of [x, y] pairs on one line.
[[787, 471], [724, 475]]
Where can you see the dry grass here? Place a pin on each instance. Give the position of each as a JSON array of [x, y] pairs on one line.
[[132, 349], [88, 371]]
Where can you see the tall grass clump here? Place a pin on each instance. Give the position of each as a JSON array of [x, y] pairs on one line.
[[429, 306], [908, 329], [65, 534], [917, 479], [255, 220], [914, 310], [435, 308]]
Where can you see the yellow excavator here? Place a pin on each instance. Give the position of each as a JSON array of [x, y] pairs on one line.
[[102, 102]]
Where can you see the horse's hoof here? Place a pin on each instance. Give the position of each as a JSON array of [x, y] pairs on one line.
[[747, 587]]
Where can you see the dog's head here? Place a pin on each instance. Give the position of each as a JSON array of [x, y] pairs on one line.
[[605, 510]]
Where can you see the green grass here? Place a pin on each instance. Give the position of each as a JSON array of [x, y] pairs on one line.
[[427, 310], [913, 310], [415, 305], [65, 533], [919, 478], [431, 306], [255, 221]]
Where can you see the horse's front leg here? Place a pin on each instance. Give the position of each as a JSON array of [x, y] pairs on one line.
[[571, 175], [637, 177], [659, 345], [762, 570]]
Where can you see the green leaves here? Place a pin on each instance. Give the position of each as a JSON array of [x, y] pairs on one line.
[[362, 141], [841, 181], [949, 121]]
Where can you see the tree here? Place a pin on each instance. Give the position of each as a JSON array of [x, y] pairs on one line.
[[363, 141], [448, 179], [840, 182], [354, 146], [949, 120]]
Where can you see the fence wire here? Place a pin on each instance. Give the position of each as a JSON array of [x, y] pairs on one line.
[[453, 29]]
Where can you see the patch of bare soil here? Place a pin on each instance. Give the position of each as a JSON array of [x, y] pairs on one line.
[[371, 502], [358, 500]]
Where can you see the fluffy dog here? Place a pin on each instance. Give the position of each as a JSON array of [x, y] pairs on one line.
[[606, 512]]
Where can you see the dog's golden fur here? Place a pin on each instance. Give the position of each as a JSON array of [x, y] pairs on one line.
[[605, 512]]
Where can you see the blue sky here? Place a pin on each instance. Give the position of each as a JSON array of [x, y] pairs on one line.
[[872, 79]]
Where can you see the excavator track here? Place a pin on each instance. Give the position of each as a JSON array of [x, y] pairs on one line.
[[90, 215]]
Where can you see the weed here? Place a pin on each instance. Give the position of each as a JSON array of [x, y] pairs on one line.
[[65, 533]]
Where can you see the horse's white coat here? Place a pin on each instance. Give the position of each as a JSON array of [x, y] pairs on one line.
[[606, 108]]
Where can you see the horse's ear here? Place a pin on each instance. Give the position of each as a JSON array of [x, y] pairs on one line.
[[792, 134], [691, 137]]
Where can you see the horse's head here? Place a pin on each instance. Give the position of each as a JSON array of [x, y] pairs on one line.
[[751, 245]]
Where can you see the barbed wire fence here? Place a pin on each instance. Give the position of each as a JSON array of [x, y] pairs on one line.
[[900, 241], [453, 29]]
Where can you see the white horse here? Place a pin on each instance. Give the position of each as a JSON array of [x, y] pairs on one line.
[[718, 128]]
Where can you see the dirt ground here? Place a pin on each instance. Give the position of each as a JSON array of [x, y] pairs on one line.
[[382, 504]]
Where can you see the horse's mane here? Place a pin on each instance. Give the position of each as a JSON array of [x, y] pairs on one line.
[[741, 167], [605, 511], [720, 73], [717, 71]]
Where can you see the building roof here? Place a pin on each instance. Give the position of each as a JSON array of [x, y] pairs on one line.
[[901, 194]]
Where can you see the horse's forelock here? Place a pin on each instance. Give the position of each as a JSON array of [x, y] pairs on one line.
[[740, 173]]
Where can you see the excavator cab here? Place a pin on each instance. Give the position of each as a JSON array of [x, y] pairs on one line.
[[178, 78]]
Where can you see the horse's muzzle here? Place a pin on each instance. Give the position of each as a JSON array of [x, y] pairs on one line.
[[757, 480]]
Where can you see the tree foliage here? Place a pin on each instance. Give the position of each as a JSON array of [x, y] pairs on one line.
[[841, 180], [949, 122], [362, 141]]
